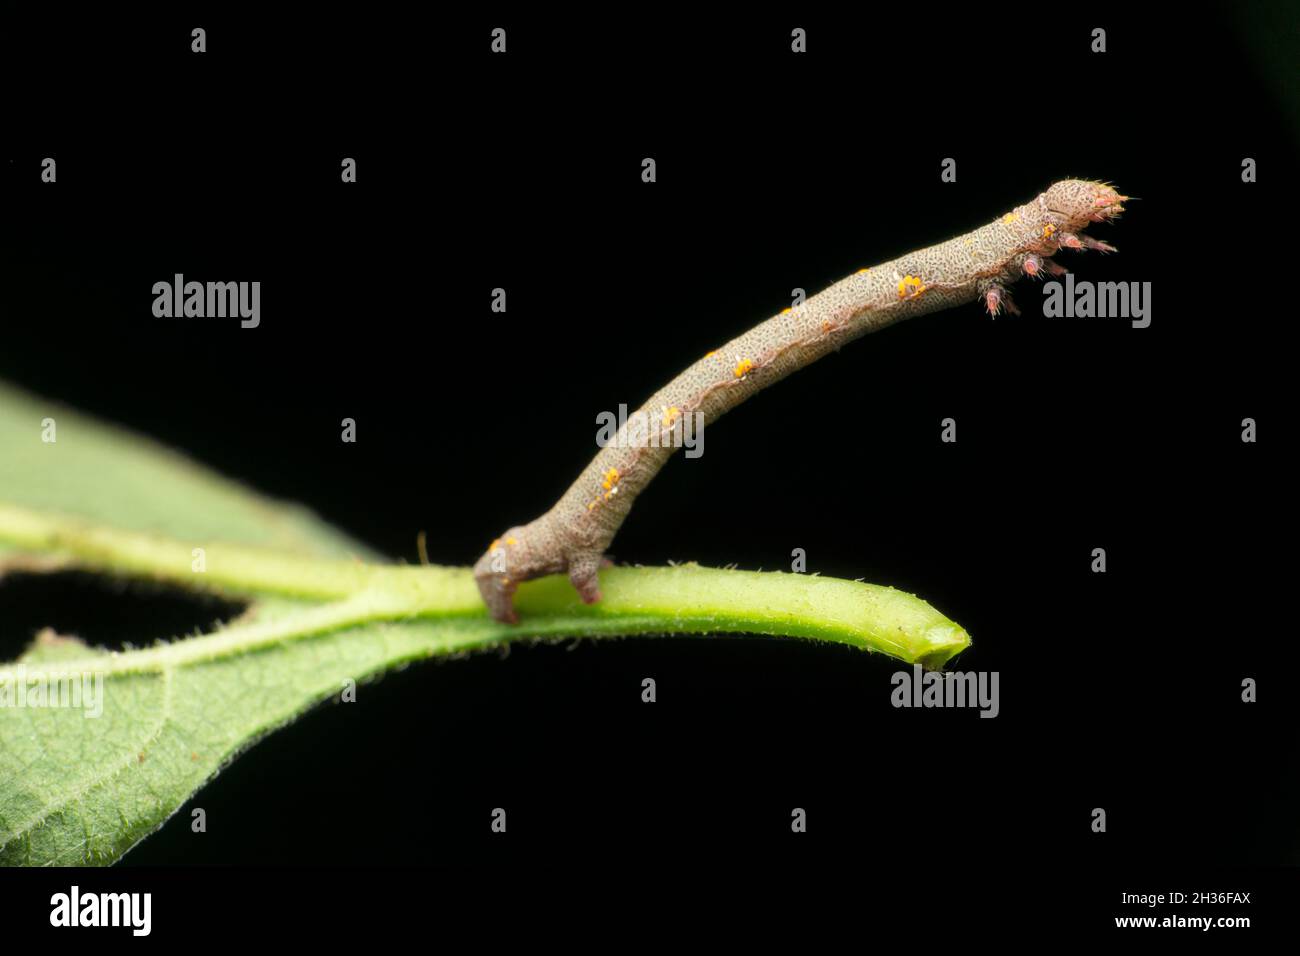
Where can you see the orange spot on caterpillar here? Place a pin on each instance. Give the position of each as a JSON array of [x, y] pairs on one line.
[[743, 367], [862, 272], [711, 354], [1010, 217], [826, 326], [493, 545], [1048, 230], [611, 476], [670, 415], [512, 541], [786, 309], [909, 287]]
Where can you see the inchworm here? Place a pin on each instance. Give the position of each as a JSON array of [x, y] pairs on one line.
[[574, 534]]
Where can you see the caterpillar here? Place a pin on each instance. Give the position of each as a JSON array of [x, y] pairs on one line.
[[573, 535]]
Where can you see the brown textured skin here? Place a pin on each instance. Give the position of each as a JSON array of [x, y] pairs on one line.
[[574, 534]]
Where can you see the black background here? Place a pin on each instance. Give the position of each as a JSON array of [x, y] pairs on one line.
[[775, 171]]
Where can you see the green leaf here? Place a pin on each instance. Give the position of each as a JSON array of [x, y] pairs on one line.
[[83, 784], [113, 476], [81, 790]]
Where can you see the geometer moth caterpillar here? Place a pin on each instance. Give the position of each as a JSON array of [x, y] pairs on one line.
[[574, 534]]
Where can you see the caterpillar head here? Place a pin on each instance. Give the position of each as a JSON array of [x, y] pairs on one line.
[[1082, 201]]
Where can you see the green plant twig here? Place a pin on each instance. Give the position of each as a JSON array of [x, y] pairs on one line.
[[685, 599]]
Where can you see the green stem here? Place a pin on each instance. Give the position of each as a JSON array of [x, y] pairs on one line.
[[237, 567], [685, 599]]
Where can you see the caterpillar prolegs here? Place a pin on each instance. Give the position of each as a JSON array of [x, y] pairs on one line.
[[574, 534]]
